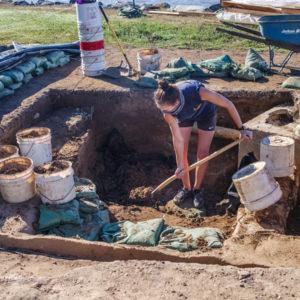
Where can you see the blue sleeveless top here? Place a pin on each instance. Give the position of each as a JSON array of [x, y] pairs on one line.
[[191, 106]]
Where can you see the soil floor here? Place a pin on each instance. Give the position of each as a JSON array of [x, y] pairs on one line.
[[31, 276]]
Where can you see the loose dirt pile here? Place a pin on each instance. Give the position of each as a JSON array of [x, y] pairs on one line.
[[12, 168], [5, 153], [53, 167]]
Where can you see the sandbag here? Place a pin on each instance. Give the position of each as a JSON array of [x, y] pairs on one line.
[[254, 60], [195, 71], [54, 215], [16, 75], [219, 64], [39, 61], [85, 188], [87, 230], [177, 63], [6, 92], [146, 82], [38, 71], [15, 86], [187, 239], [292, 83], [1, 86], [142, 233], [6, 80], [246, 73], [63, 60], [55, 56], [88, 206], [27, 78], [50, 65], [26, 67]]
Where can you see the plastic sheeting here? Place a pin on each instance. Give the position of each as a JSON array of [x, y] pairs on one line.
[[237, 17]]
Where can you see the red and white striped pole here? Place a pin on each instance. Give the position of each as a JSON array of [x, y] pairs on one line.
[[91, 39]]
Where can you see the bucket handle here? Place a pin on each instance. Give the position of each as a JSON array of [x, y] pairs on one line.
[[68, 193], [32, 144], [276, 186]]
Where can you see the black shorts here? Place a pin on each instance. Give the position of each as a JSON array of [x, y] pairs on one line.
[[206, 123]]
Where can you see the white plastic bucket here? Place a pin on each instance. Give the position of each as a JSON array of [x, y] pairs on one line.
[[91, 37], [19, 186], [92, 66], [12, 151], [88, 13], [57, 187], [278, 152], [39, 148], [148, 62], [99, 53], [256, 186]]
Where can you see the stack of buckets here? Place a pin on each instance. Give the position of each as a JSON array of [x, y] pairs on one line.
[[23, 183], [91, 39], [255, 183]]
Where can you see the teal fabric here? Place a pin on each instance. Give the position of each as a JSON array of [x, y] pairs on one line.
[[87, 230], [254, 60], [16, 75], [142, 233], [50, 65], [89, 206], [58, 214], [38, 71], [63, 60], [186, 239], [55, 56], [85, 188], [177, 63], [6, 92], [15, 86], [219, 64], [6, 80], [146, 82], [292, 83], [246, 73], [26, 67], [39, 61], [27, 78]]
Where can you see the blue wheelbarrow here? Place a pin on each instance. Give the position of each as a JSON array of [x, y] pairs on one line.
[[281, 31]]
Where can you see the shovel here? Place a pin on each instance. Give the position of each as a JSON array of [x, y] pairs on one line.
[[198, 163]]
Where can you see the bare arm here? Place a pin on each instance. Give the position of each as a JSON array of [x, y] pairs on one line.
[[177, 140], [220, 100]]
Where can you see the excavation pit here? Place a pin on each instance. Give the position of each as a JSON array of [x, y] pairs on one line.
[[120, 141]]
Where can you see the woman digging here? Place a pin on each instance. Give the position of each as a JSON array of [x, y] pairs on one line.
[[182, 105]]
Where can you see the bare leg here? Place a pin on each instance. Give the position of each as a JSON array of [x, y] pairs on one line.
[[204, 142], [186, 133]]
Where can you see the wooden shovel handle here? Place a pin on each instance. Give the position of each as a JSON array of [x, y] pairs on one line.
[[198, 163]]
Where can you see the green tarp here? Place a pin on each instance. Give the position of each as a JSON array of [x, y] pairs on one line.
[[142, 233], [246, 73], [187, 239], [292, 83], [254, 60], [219, 64]]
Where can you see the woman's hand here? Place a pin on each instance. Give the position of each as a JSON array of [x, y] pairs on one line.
[[247, 134], [178, 172]]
